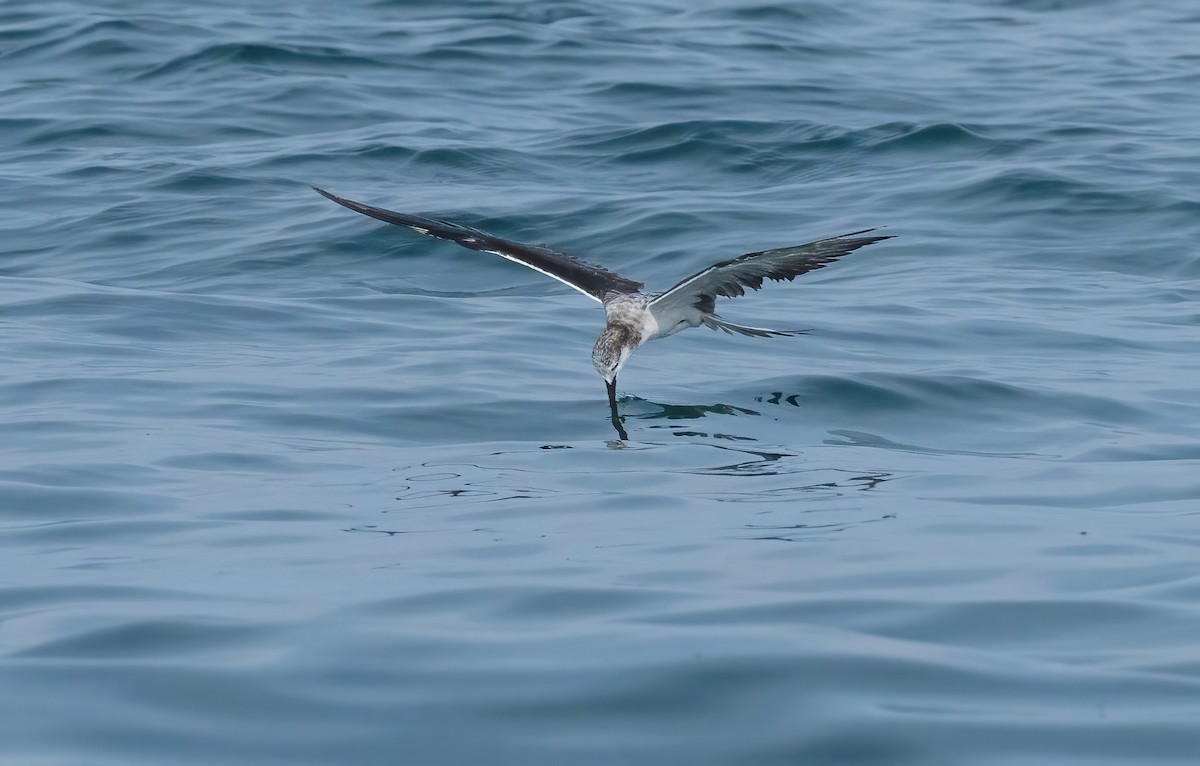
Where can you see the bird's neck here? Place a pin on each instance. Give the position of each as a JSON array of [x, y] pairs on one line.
[[629, 316]]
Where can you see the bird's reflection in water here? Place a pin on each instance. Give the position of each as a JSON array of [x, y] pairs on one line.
[[689, 411], [635, 408], [619, 424], [756, 462], [790, 533], [787, 483]]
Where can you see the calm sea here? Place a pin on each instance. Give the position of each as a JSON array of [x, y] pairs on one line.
[[281, 485]]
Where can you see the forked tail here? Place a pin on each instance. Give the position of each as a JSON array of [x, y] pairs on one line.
[[714, 322]]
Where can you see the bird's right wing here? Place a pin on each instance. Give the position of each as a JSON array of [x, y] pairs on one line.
[[731, 278], [593, 281]]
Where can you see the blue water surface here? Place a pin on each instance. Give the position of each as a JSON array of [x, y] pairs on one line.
[[280, 484]]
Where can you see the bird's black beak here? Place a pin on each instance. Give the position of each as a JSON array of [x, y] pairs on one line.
[[612, 406]]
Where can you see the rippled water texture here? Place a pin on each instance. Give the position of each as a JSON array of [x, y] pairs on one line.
[[280, 484]]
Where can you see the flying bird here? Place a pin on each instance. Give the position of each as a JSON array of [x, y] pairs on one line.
[[633, 317]]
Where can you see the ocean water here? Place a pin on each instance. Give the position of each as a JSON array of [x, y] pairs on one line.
[[280, 484]]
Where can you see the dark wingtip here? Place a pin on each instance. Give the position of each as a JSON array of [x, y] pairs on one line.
[[853, 240], [357, 207], [872, 238]]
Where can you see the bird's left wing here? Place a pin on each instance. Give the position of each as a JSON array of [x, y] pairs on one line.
[[731, 278], [593, 281]]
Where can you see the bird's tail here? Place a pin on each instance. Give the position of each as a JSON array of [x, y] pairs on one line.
[[714, 322]]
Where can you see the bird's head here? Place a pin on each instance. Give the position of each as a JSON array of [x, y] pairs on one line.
[[613, 347]]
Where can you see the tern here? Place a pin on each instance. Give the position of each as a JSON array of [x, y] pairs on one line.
[[633, 317]]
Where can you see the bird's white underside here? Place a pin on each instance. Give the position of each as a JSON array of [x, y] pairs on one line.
[[572, 285]]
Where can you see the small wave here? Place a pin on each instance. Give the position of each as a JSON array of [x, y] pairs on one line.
[[782, 150], [1033, 189], [861, 439], [939, 138], [779, 13], [943, 398], [283, 57], [92, 40]]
